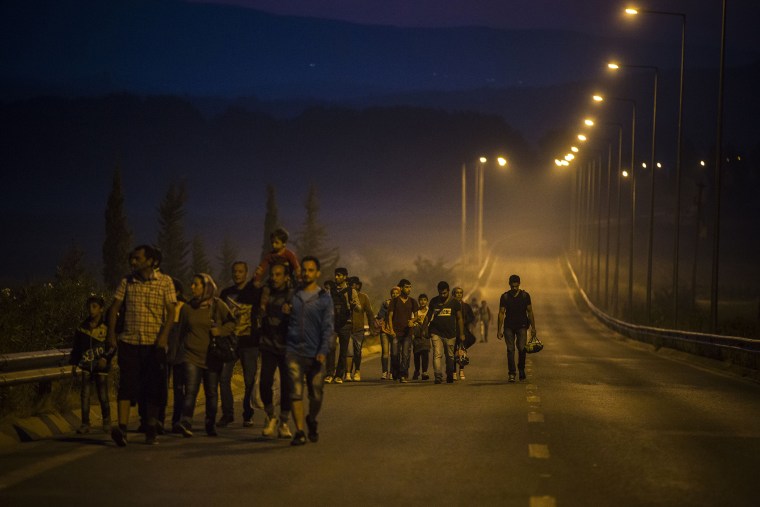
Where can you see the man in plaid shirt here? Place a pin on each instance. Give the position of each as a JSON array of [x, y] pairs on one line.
[[148, 301]]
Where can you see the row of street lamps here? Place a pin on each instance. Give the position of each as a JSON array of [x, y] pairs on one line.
[[653, 164]]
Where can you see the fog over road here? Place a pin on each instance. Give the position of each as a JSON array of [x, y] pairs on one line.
[[600, 421]]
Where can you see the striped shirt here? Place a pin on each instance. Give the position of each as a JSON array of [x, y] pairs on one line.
[[144, 306]]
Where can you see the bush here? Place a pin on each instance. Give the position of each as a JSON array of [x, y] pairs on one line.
[[42, 317]]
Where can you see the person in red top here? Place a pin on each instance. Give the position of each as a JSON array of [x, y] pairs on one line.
[[280, 254], [402, 314]]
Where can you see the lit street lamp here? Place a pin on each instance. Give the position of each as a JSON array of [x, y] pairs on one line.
[[480, 191], [677, 234]]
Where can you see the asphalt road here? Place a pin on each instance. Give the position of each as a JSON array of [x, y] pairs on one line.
[[601, 421]]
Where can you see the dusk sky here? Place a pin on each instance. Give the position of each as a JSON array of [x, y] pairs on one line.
[[590, 16], [208, 56]]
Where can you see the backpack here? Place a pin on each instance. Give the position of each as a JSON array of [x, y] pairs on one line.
[[343, 306]]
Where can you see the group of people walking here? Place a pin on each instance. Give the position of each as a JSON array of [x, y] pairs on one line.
[[281, 319]]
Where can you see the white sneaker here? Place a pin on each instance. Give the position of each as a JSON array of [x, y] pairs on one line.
[[384, 376], [270, 426], [348, 377], [461, 374], [357, 376], [328, 379], [283, 431]]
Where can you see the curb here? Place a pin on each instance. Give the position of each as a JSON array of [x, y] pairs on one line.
[[53, 424]]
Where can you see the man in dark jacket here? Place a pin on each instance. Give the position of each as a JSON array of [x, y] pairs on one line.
[[443, 323], [272, 347], [243, 298]]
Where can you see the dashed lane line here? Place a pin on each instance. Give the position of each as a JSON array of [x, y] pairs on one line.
[[543, 501], [535, 417], [540, 451]]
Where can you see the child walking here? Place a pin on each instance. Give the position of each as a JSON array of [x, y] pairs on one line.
[[89, 353]]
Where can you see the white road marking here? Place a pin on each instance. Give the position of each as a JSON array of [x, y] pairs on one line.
[[540, 451], [543, 501], [535, 417]]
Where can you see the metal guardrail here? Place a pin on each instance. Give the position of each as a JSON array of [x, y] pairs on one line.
[[738, 351], [31, 367]]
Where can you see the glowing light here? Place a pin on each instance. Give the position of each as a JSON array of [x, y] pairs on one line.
[[631, 11], [625, 174], [597, 98], [659, 165], [569, 157], [565, 163], [502, 161], [574, 149], [613, 66], [483, 160], [589, 122], [702, 163], [644, 165], [581, 137], [557, 162]]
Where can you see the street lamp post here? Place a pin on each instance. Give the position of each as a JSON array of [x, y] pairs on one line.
[[480, 191], [677, 234], [464, 215], [609, 207], [718, 163], [632, 175], [656, 70]]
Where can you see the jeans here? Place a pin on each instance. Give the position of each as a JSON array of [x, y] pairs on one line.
[[401, 350], [269, 363], [443, 346], [333, 370], [298, 366], [520, 336], [421, 359], [385, 346], [101, 383], [357, 337], [248, 360], [193, 376], [179, 390]]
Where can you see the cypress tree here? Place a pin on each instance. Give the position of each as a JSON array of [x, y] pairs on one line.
[[118, 237], [271, 221], [171, 233], [312, 237], [200, 262], [227, 255]]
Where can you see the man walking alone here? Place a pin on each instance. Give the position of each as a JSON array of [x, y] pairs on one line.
[[515, 316]]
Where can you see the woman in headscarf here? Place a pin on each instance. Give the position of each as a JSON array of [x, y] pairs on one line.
[[202, 317]]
